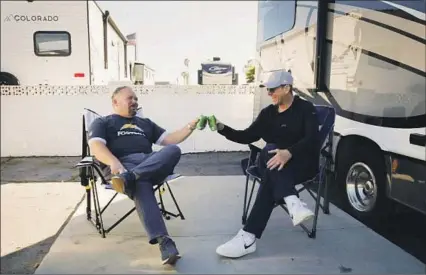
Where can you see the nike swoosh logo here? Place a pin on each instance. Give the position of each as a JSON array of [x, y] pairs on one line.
[[247, 246]]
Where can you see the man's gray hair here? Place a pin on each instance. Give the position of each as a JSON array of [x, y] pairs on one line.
[[118, 90]]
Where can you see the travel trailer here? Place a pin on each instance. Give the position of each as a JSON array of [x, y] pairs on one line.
[[60, 43], [217, 72], [367, 60]]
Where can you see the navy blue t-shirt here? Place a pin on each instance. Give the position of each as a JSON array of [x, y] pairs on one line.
[[124, 136]]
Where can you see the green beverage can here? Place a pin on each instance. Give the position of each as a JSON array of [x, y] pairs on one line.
[[212, 123], [202, 122]]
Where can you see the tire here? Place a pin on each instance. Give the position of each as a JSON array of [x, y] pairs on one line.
[[8, 79], [361, 179]]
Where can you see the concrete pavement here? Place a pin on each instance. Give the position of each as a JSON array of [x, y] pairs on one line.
[[31, 216], [212, 206]]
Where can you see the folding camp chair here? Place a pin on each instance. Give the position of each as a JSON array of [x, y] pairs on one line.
[[91, 173], [326, 118]]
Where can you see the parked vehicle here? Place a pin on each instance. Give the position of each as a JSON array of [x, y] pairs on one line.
[[60, 43], [367, 60], [217, 72]]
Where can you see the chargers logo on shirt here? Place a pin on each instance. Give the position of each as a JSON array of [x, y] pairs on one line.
[[130, 126], [130, 129]]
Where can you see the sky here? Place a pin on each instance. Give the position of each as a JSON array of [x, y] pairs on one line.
[[169, 32]]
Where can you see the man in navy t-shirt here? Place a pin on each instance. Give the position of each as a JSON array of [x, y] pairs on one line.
[[123, 142]]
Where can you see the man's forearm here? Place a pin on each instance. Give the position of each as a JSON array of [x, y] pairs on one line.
[[238, 136], [102, 153], [178, 136]]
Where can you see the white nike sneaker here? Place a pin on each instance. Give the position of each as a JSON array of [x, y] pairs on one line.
[[242, 244], [298, 210]]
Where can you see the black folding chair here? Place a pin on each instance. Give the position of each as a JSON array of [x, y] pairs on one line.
[[91, 173], [326, 118]]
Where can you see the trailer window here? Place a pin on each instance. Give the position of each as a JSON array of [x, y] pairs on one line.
[[52, 43], [274, 18]]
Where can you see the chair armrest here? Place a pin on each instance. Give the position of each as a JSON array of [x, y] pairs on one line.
[[257, 146], [87, 162]]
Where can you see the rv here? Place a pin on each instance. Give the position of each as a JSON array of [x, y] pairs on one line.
[[142, 74], [366, 59], [60, 43], [217, 72]]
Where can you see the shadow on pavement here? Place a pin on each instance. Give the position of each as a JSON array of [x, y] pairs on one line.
[[26, 260]]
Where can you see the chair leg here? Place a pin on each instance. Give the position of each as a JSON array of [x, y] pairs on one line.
[[93, 196], [175, 202], [326, 208], [244, 217], [315, 197], [119, 221], [89, 203], [162, 207], [249, 201], [99, 221], [109, 202], [312, 234]]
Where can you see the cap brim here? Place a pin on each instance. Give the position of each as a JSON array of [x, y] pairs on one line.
[[268, 85]]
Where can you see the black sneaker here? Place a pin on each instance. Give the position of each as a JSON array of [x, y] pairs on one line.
[[169, 252], [124, 182]]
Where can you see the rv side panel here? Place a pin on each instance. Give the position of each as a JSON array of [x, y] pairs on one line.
[[115, 56], [99, 74], [45, 42]]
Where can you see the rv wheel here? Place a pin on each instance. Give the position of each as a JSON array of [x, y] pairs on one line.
[[362, 179], [8, 79]]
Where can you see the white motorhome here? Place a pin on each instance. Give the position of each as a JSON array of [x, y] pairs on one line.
[[367, 60], [217, 72], [60, 43]]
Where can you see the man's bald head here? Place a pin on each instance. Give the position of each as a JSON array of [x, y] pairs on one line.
[[124, 101]]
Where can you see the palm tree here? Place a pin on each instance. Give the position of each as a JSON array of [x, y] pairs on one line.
[[250, 74]]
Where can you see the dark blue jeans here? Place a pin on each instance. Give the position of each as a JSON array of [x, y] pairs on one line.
[[153, 169], [274, 187]]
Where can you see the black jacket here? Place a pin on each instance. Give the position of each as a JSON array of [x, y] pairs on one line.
[[295, 129]]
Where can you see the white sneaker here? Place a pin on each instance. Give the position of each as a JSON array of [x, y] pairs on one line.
[[298, 210], [242, 244]]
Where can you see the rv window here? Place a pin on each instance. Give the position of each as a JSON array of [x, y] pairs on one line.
[[52, 43], [274, 18]]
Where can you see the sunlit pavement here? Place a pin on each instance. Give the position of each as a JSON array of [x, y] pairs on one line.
[[212, 206]]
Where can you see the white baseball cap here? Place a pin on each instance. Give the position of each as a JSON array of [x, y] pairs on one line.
[[277, 78]]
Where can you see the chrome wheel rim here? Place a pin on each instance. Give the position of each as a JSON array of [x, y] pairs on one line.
[[361, 187]]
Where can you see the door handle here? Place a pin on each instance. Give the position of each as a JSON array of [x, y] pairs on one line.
[[418, 139]]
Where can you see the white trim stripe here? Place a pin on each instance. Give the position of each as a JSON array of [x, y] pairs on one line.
[[414, 13], [97, 139], [161, 138]]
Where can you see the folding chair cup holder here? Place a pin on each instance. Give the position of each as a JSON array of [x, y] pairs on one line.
[[91, 173], [326, 119]]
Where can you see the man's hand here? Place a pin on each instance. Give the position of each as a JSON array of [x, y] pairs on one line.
[[117, 168], [279, 160], [193, 123]]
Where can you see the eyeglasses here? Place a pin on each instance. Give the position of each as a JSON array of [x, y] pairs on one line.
[[272, 90]]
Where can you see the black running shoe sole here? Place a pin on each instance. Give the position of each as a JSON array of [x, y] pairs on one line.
[[171, 260]]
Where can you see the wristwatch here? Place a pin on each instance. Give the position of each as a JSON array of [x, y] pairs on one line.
[[220, 126]]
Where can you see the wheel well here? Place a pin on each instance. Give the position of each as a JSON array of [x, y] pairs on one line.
[[352, 141], [12, 79]]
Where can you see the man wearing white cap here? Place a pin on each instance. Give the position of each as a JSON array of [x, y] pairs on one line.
[[289, 126]]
